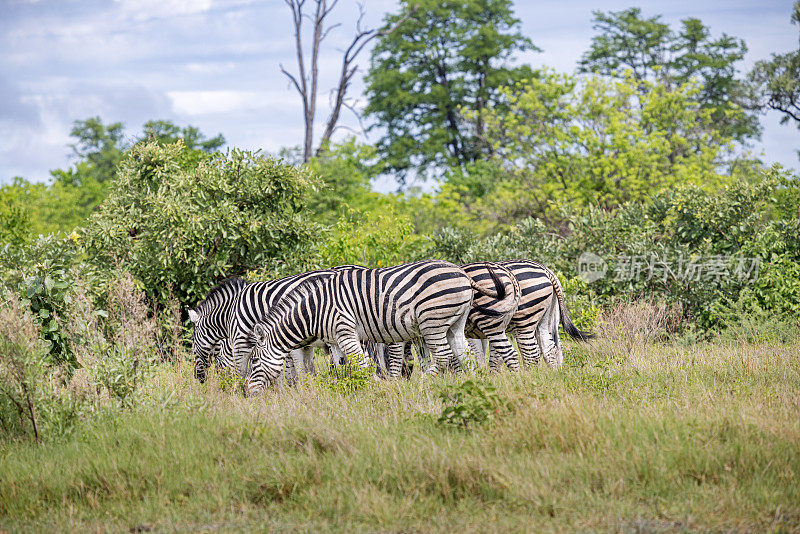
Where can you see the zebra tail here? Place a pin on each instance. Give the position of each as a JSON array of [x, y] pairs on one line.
[[566, 322], [510, 301]]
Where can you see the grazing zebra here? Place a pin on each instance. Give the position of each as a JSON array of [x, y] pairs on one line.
[[535, 322], [485, 320], [428, 299], [488, 318], [229, 312], [223, 359], [541, 307], [210, 319]]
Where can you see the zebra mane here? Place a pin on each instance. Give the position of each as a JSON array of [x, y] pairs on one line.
[[234, 284], [285, 303]]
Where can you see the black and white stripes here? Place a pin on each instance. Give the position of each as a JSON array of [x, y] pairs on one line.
[[427, 299], [252, 327]]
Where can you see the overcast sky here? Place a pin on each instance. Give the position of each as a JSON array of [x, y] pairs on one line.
[[215, 64]]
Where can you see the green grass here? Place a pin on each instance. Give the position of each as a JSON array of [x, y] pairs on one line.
[[661, 439]]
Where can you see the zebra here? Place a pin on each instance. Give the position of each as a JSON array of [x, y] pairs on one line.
[[535, 322], [228, 314], [485, 320], [541, 308], [429, 299], [210, 319], [223, 359]]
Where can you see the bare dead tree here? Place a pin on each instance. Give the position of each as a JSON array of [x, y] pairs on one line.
[[307, 81]]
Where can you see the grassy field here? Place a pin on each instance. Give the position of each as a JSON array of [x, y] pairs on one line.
[[645, 438]]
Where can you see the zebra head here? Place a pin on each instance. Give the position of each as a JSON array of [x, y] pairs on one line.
[[265, 363], [204, 345]]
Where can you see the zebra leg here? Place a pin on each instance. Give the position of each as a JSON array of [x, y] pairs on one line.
[[504, 350], [439, 347], [495, 359], [293, 367], [423, 354], [458, 341], [478, 348], [528, 347], [408, 362], [348, 342], [308, 360], [338, 357], [548, 338], [396, 353], [378, 352]]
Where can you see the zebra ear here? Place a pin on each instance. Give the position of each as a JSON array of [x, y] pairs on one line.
[[260, 334], [194, 316]]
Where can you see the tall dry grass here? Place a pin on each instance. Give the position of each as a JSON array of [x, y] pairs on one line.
[[670, 437]]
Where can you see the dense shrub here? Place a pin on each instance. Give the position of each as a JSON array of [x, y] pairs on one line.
[[707, 250], [180, 220], [42, 275], [33, 399]]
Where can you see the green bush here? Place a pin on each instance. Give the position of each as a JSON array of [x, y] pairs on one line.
[[348, 378], [373, 239], [180, 220], [33, 398], [470, 403], [747, 224], [42, 274]]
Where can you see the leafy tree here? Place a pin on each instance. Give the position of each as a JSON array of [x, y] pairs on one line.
[[15, 219], [652, 51], [99, 145], [376, 238], [448, 56], [180, 222], [778, 81], [31, 209], [168, 132], [598, 142], [346, 171]]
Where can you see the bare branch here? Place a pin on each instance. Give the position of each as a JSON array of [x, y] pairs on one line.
[[293, 80], [361, 39], [326, 32], [306, 82]]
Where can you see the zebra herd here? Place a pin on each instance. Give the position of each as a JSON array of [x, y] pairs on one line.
[[433, 305]]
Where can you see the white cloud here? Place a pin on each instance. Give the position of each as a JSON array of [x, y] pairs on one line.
[[226, 101], [155, 9]]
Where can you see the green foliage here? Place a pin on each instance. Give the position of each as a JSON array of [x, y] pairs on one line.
[[40, 274], [777, 81], [230, 381], [165, 132], [378, 238], [748, 225], [651, 50], [100, 146], [180, 224], [121, 371], [32, 400], [597, 142], [348, 378], [30, 209], [345, 171], [471, 403], [15, 218], [445, 57]]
